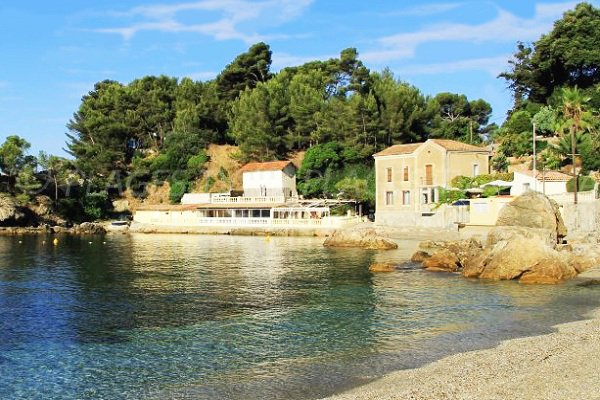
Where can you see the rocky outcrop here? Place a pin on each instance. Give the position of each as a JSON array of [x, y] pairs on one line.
[[10, 211], [382, 267], [88, 228], [536, 212], [365, 238], [523, 246]]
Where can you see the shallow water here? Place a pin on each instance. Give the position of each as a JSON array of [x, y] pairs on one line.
[[175, 316]]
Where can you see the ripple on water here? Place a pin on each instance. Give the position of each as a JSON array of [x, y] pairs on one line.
[[238, 317]]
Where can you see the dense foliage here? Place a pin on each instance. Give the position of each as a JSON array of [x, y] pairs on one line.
[[157, 129]]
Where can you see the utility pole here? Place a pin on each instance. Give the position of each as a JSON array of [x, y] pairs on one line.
[[534, 162], [470, 131], [573, 152]]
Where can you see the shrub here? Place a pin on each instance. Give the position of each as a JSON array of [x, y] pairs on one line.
[[584, 184], [178, 189]]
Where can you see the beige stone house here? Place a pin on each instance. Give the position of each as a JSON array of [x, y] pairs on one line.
[[409, 177]]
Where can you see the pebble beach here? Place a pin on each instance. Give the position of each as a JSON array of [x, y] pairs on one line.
[[561, 365]]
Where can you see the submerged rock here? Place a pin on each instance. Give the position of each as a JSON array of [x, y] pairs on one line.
[[366, 239], [382, 267]]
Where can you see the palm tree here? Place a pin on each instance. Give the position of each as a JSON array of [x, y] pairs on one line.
[[575, 119]]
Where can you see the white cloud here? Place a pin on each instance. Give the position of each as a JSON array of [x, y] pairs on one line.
[[283, 60], [505, 27], [429, 9], [201, 75], [227, 17], [491, 65]]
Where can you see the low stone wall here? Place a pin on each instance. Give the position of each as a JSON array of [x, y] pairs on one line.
[[581, 218], [222, 230], [446, 217]]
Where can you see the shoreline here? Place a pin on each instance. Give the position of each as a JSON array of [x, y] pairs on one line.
[[559, 365]]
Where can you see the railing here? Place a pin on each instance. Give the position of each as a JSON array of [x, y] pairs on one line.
[[191, 219], [249, 200]]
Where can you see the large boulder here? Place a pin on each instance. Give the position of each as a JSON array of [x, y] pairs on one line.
[[533, 210], [508, 233], [525, 259], [365, 238]]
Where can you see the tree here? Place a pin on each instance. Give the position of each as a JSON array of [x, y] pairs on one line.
[[245, 72], [102, 135], [13, 155], [567, 56], [260, 121], [26, 184], [55, 168], [575, 119]]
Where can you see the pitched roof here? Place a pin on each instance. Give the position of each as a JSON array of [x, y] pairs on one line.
[[399, 149], [549, 176], [449, 145], [453, 145], [266, 166]]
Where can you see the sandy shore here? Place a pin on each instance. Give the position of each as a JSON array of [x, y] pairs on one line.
[[561, 365]]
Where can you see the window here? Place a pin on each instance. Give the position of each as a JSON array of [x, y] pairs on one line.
[[389, 174], [389, 198], [406, 197], [405, 174], [475, 169], [428, 174]]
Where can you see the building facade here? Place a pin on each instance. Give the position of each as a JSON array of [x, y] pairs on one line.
[[409, 177], [547, 182], [269, 179]]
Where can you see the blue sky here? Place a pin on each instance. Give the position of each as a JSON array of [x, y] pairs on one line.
[[54, 51]]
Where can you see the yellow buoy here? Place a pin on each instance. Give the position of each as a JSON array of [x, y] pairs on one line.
[[55, 242]]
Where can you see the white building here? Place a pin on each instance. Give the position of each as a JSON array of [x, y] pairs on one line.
[[547, 182], [269, 179]]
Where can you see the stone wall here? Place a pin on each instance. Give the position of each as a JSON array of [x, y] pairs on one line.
[[582, 218]]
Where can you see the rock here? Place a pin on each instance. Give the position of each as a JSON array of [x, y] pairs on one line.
[[420, 256], [382, 267], [582, 263], [43, 206], [508, 233], [9, 209], [366, 239], [525, 259], [533, 210], [443, 260], [549, 271], [462, 248], [89, 228]]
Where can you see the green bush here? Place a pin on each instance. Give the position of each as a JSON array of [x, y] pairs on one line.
[[95, 205], [178, 189], [584, 184]]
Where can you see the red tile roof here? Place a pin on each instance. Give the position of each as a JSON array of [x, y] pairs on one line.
[[453, 145], [266, 166], [450, 145], [550, 176], [399, 149]]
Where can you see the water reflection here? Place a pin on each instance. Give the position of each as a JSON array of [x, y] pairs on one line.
[[237, 317]]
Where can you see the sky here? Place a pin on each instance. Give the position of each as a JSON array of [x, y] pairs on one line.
[[54, 51]]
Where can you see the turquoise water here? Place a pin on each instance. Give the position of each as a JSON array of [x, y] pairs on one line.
[[209, 317]]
